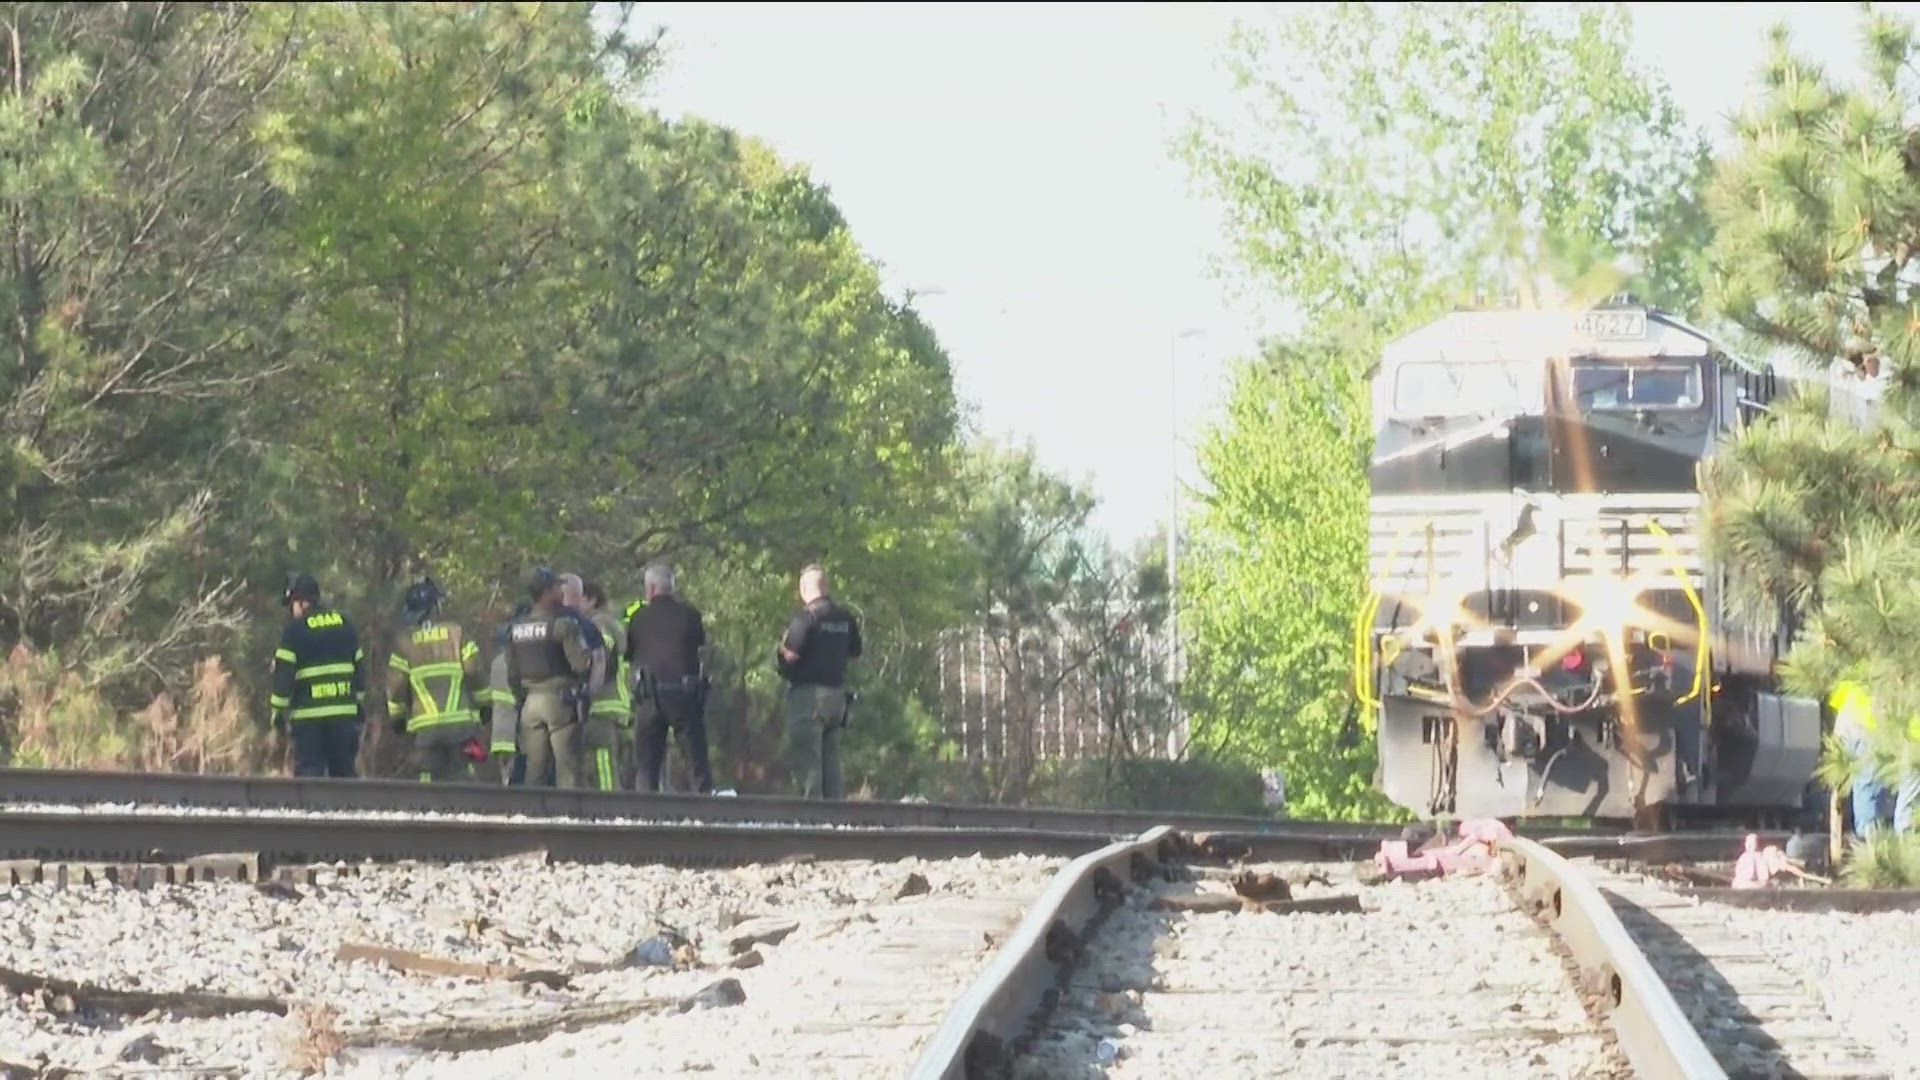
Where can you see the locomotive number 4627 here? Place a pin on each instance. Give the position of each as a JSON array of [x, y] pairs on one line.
[[1612, 325]]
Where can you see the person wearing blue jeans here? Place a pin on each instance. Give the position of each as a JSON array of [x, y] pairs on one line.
[[1869, 794], [1908, 794], [1853, 725]]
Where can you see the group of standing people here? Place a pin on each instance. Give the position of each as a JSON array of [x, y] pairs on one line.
[[574, 695]]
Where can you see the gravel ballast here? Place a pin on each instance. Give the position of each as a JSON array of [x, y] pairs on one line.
[[1863, 968], [1780, 993], [824, 949], [1430, 979], [598, 822]]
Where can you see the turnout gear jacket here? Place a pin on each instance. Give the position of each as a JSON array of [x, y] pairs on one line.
[[316, 669], [433, 678], [505, 737], [614, 698]]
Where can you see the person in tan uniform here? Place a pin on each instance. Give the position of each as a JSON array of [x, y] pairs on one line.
[[548, 667]]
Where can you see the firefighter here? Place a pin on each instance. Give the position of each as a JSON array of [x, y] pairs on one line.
[[317, 683], [504, 723], [813, 657], [547, 665], [663, 651], [609, 711], [433, 685]]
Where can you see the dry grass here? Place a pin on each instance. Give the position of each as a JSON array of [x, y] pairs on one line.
[[51, 718], [312, 1037]]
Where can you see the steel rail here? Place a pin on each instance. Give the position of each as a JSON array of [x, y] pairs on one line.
[[1283, 843], [403, 796], [1654, 1034], [152, 838], [1849, 901], [980, 1032], [220, 792]]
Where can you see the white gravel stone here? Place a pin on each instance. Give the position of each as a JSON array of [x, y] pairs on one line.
[[235, 938], [1435, 979], [1785, 992], [1863, 967], [170, 810]]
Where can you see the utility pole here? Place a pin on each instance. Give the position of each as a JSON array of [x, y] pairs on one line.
[[1177, 726]]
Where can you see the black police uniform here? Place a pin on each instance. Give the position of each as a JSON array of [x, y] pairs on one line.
[[317, 683], [826, 636], [669, 689]]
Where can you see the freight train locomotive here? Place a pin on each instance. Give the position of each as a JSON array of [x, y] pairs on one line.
[[1541, 636]]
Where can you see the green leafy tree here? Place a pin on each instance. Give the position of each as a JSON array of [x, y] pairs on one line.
[[419, 148], [1277, 572], [1816, 512], [1392, 163], [132, 219]]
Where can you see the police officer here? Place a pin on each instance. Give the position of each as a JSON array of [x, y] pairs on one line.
[[608, 711], [547, 663], [573, 605], [813, 657], [663, 652], [433, 685], [317, 683]]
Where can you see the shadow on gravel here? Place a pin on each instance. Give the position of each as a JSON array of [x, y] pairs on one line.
[[1731, 1031], [1103, 993]]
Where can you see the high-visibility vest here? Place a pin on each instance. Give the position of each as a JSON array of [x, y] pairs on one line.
[[1852, 708]]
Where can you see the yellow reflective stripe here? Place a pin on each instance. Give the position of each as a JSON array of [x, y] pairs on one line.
[[469, 651], [318, 670], [426, 777], [321, 712], [285, 654], [279, 701], [394, 708], [505, 747], [426, 704], [359, 655], [607, 707], [398, 663], [439, 720], [603, 757]]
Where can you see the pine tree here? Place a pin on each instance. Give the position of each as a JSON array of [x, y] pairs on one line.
[[1815, 510]]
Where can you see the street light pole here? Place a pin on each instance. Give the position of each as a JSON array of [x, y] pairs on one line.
[[1177, 729]]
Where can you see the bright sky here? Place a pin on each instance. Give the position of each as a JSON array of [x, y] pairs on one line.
[[1010, 163]]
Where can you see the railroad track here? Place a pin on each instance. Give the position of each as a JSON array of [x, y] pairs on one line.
[[54, 788], [1410, 979], [1343, 978], [1756, 1017]]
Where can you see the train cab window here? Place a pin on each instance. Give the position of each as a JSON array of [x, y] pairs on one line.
[[1474, 388], [1605, 387]]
